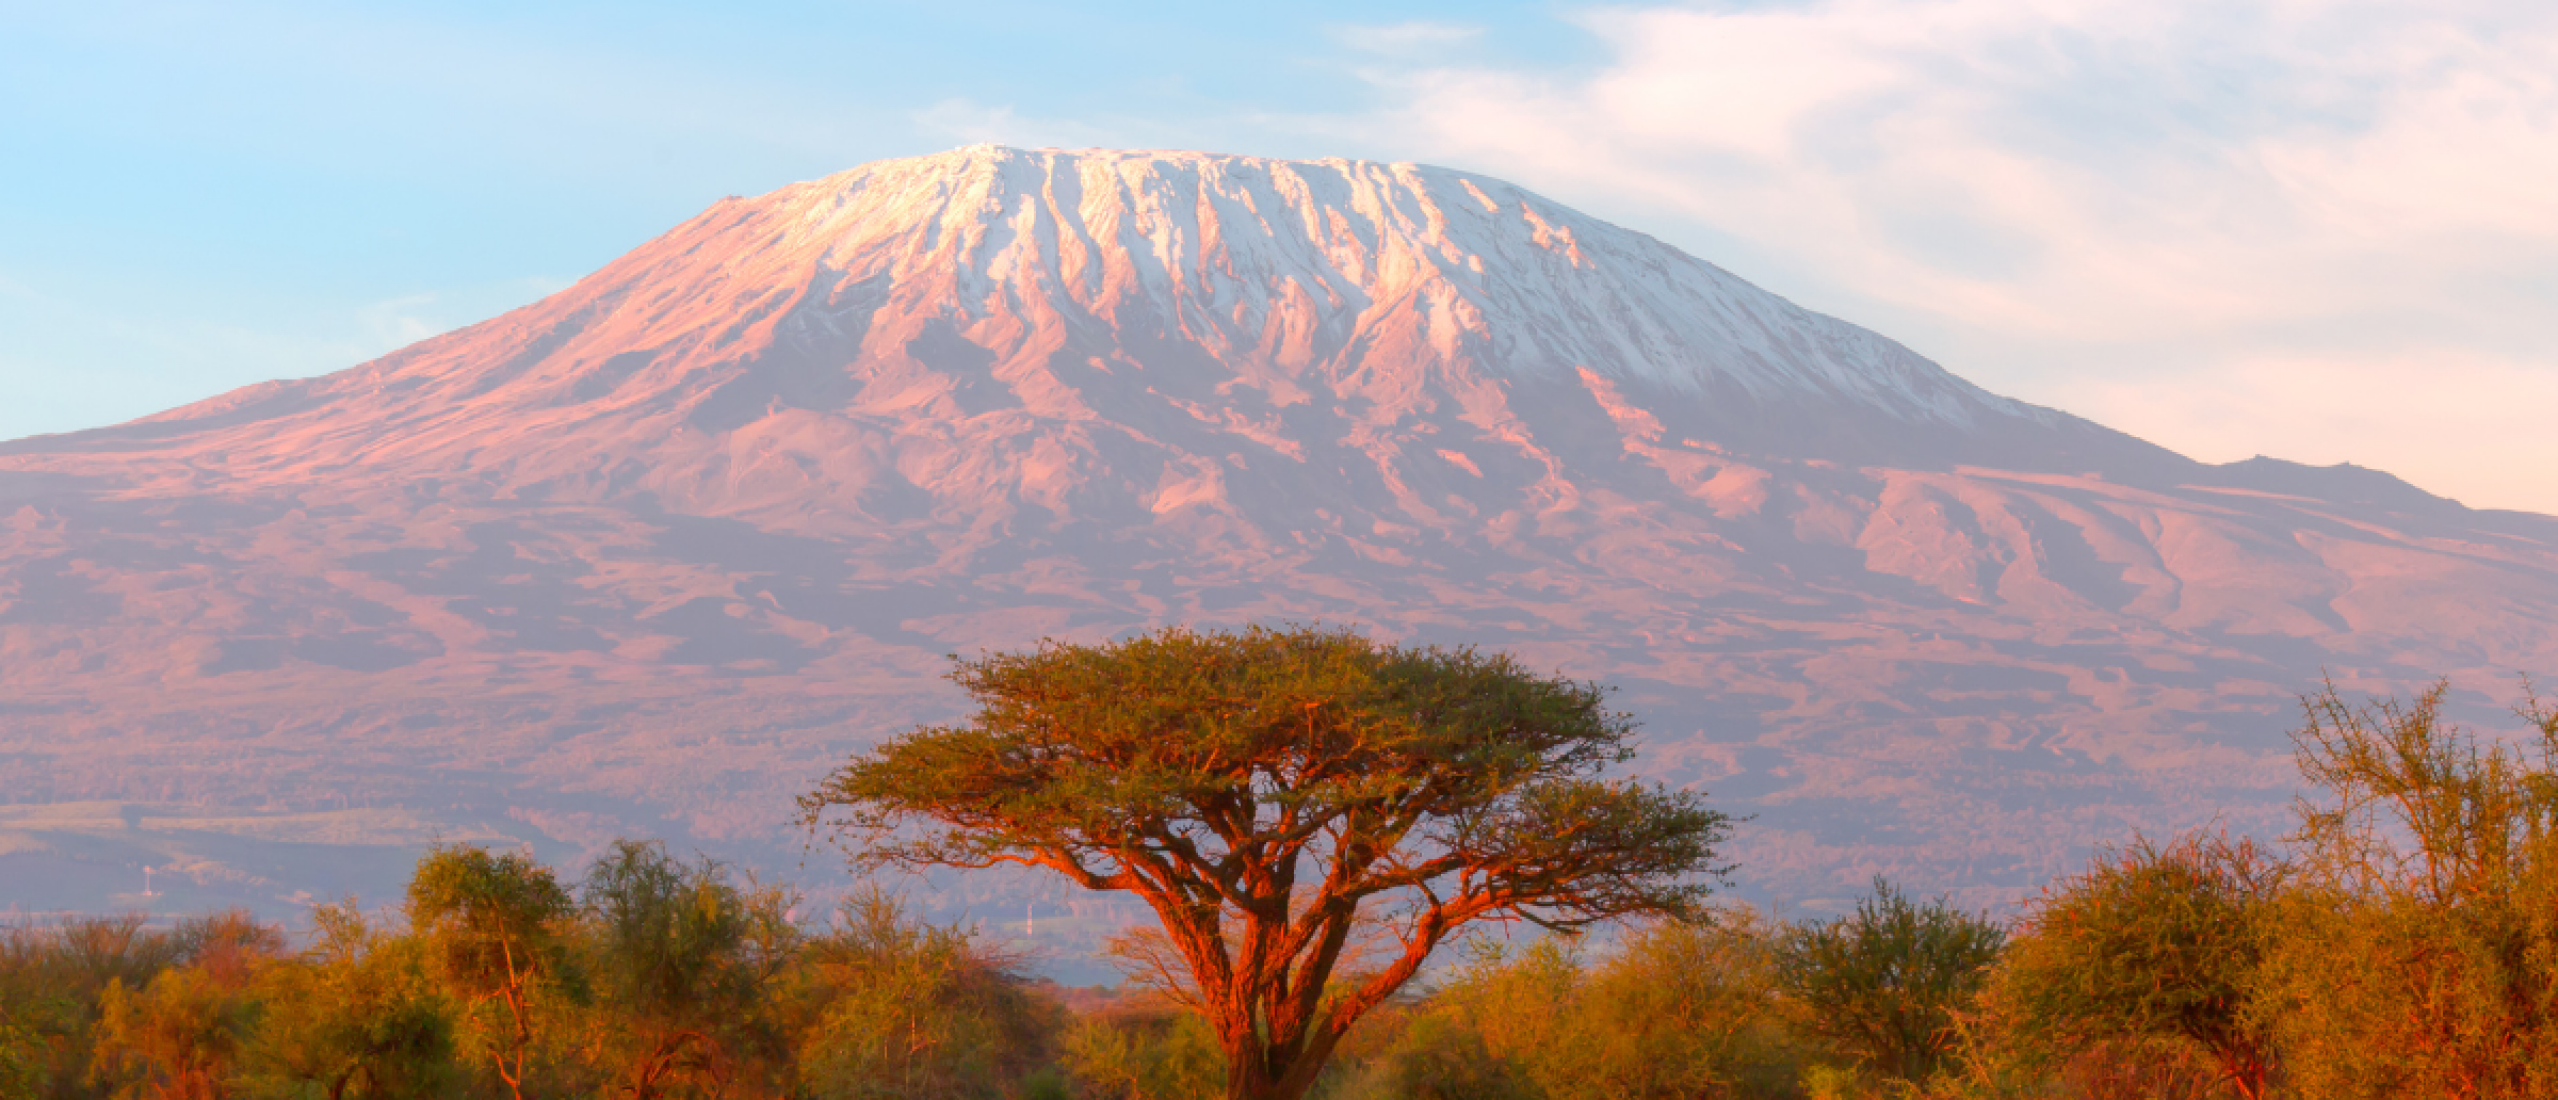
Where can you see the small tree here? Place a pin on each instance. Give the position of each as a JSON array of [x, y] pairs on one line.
[[175, 1039], [2153, 944], [490, 923], [178, 1036], [1264, 790], [2418, 953], [53, 976], [679, 959], [884, 1005], [357, 1016], [1885, 981]]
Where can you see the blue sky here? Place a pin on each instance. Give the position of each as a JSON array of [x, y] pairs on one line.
[[2320, 229]]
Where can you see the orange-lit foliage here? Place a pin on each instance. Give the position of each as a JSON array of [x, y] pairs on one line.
[[1266, 791]]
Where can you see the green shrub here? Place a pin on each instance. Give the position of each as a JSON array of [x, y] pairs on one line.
[[880, 1004], [1884, 983]]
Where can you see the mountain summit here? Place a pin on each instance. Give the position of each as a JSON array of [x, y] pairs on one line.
[[648, 555], [1007, 289]]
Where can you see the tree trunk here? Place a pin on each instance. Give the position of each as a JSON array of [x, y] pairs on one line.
[[1247, 1076], [1245, 1082]]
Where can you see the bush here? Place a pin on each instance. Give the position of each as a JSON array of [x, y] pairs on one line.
[[1152, 1051], [678, 962], [883, 1005], [359, 1015], [2419, 954], [2150, 949], [176, 1038], [1678, 1009], [1437, 1058], [1884, 983], [51, 980]]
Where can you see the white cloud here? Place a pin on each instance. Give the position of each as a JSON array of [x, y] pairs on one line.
[[2152, 213], [1403, 39]]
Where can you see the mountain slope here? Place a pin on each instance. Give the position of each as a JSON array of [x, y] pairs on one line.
[[650, 554]]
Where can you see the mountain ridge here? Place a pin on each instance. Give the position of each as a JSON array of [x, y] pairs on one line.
[[1382, 281], [649, 555]]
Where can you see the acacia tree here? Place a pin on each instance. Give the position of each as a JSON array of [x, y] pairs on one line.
[[1266, 791]]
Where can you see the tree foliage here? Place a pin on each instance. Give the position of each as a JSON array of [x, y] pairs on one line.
[[886, 1005], [362, 1018], [178, 1036], [1678, 1008], [2155, 944], [682, 957], [2403, 943], [1148, 1051], [491, 923], [1885, 981], [2419, 956], [2406, 943], [53, 980], [1263, 791]]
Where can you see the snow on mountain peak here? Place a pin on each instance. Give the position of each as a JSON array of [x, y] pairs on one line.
[[1004, 296], [1294, 261]]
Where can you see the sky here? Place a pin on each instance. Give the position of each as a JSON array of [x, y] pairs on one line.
[[2323, 230]]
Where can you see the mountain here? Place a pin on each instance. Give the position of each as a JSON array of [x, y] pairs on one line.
[[650, 555]]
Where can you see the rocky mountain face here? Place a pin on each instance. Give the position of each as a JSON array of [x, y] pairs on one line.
[[649, 556]]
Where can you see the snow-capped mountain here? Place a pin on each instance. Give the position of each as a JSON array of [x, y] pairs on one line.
[[648, 555]]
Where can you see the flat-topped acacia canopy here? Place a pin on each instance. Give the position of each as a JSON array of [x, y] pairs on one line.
[[1266, 790]]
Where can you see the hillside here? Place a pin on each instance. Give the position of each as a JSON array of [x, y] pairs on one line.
[[648, 556]]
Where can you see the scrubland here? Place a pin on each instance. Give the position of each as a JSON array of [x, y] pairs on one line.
[[2401, 941]]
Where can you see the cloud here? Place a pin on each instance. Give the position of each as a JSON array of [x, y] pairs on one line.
[[1405, 39], [2147, 212]]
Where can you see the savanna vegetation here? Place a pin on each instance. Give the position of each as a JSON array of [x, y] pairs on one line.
[[1312, 820], [657, 977]]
